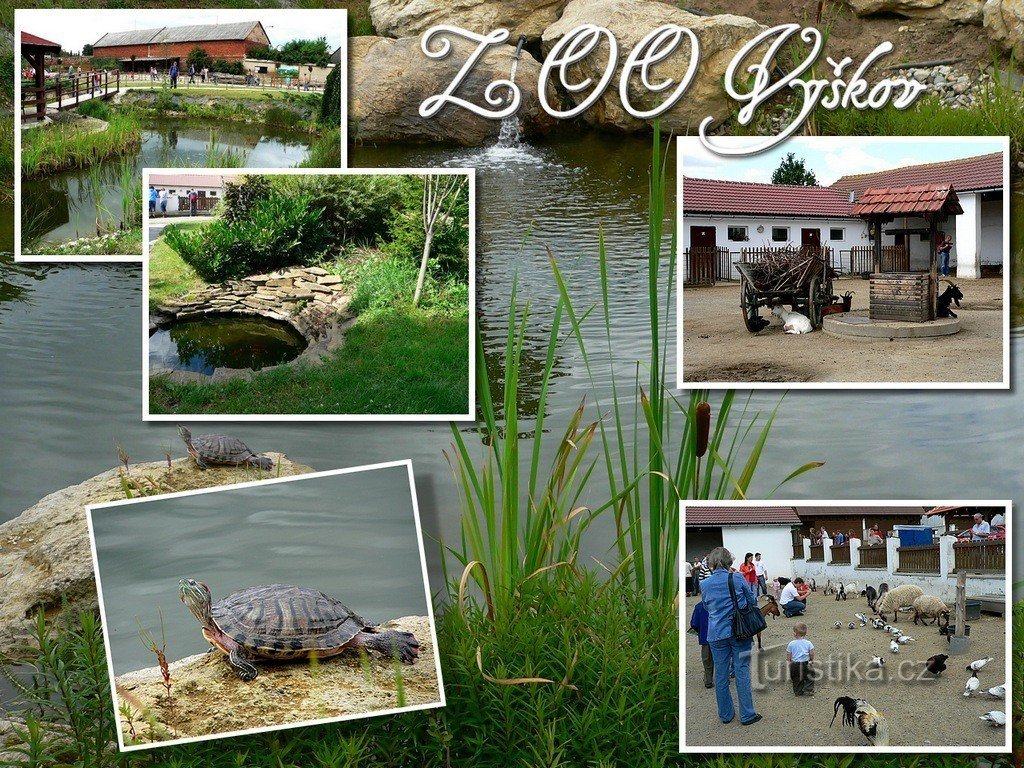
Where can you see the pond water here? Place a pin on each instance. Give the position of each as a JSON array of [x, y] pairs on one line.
[[352, 536], [66, 203], [228, 341]]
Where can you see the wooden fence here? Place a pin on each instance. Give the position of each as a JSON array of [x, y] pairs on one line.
[[895, 258], [987, 555], [754, 255], [798, 545], [840, 554], [817, 552], [67, 92], [706, 265], [873, 556], [923, 559]]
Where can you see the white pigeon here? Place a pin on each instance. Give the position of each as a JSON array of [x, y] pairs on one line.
[[904, 639], [894, 646], [877, 661], [861, 617], [999, 692], [997, 718], [863, 623], [972, 684], [974, 666]]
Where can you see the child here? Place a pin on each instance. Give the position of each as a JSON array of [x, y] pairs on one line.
[[800, 654], [699, 623]]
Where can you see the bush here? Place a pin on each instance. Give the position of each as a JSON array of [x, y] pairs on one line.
[[228, 67], [449, 251], [356, 208], [198, 58], [282, 117], [330, 103], [240, 197], [95, 108], [277, 232]]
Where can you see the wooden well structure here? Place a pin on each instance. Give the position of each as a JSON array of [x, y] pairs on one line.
[[908, 296]]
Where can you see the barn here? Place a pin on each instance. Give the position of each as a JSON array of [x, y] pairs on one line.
[[138, 50]]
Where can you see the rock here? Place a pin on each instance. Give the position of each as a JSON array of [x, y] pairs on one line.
[[1004, 20], [328, 279], [318, 271], [45, 556], [630, 20], [398, 18], [390, 78], [208, 698], [960, 11]]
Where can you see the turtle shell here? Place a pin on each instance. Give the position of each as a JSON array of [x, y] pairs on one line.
[[286, 622], [222, 449]]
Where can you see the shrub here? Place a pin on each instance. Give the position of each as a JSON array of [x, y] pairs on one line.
[[356, 208], [198, 58], [449, 251], [240, 197], [228, 67], [281, 116], [95, 108], [277, 232], [330, 103]]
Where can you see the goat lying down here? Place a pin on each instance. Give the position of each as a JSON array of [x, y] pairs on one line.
[[792, 322], [947, 298]]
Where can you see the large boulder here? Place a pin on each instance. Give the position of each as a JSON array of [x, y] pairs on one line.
[[396, 18], [1004, 20], [961, 11], [207, 696], [45, 555], [388, 79], [720, 37]]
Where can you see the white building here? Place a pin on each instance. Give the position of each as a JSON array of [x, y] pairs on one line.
[[768, 530], [208, 186], [736, 215]]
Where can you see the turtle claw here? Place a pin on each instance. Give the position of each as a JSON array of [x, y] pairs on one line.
[[399, 645]]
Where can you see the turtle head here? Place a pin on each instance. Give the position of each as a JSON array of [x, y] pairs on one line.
[[196, 596], [185, 432]]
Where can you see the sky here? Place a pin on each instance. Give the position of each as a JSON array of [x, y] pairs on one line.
[[831, 157], [73, 28]]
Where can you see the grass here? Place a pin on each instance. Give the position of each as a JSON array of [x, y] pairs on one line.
[[126, 242], [60, 147], [169, 276], [392, 362], [325, 151]]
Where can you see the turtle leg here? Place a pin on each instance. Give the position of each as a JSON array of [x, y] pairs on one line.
[[400, 645], [246, 669], [200, 463]]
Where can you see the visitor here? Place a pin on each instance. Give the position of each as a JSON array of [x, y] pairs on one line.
[[840, 539], [191, 74], [980, 530], [749, 571], [800, 655], [703, 570], [152, 198], [761, 570], [728, 652], [699, 624], [689, 578], [944, 245], [173, 74], [997, 519], [193, 202], [790, 598], [876, 535], [206, 73], [163, 202]]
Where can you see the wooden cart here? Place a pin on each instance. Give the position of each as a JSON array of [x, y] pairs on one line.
[[800, 278]]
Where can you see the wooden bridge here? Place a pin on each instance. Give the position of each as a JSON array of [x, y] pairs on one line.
[[59, 91]]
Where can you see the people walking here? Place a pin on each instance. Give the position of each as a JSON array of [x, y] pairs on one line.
[[191, 74], [761, 571], [173, 74]]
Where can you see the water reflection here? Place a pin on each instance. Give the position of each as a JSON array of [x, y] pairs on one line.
[[224, 342]]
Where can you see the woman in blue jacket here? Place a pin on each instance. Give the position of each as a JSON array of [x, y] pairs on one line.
[[727, 650]]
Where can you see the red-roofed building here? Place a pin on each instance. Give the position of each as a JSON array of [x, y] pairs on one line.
[[742, 529], [733, 215], [209, 188]]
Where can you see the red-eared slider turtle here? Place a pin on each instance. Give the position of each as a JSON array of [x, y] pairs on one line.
[[280, 621], [222, 449]]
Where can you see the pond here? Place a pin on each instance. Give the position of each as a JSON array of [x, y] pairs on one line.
[[65, 204], [225, 341]]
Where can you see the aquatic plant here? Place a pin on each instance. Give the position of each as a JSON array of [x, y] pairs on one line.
[[52, 148], [129, 184], [218, 157]]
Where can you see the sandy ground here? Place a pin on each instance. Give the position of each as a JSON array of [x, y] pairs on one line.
[[718, 348], [921, 711]]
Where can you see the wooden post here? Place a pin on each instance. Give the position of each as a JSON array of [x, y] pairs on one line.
[[959, 642], [877, 259], [933, 268], [38, 62]]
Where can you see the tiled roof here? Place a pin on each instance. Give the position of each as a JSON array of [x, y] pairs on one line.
[[191, 179], [27, 38], [904, 201], [744, 197], [697, 517], [846, 511], [190, 33], [979, 172]]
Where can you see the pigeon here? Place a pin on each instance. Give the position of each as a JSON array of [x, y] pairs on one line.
[[851, 625], [894, 646], [877, 661], [972, 684], [997, 718], [999, 692], [861, 617], [838, 624], [936, 664], [904, 639], [974, 666]]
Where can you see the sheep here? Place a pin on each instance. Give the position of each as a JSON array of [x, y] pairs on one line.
[[900, 597], [929, 607], [792, 322]]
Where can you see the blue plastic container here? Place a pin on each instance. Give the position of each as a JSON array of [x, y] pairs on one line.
[[914, 536]]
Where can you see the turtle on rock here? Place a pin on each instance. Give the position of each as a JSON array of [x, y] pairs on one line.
[[280, 621], [222, 449]]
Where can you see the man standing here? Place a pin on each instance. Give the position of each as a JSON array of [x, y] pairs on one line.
[[689, 579], [152, 199], [163, 201], [191, 74], [174, 74], [762, 575], [980, 530], [193, 202]]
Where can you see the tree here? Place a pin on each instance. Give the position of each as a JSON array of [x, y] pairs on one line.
[[87, 49], [794, 171], [330, 102], [440, 194], [198, 58]]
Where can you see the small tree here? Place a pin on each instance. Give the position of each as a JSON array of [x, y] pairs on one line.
[[198, 58], [87, 50], [794, 171], [440, 194]]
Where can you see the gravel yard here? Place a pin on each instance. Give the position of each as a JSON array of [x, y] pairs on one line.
[[922, 711]]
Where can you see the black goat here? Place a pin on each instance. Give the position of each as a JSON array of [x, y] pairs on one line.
[[947, 298]]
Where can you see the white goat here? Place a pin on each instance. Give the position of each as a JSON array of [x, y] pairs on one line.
[[792, 322]]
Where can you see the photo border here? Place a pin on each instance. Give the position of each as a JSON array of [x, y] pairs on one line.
[[682, 627], [468, 416], [1002, 384], [407, 463], [19, 15]]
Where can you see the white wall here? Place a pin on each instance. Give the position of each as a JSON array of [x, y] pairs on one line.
[[774, 542], [991, 232]]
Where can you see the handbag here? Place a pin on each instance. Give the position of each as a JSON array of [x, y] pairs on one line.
[[746, 621]]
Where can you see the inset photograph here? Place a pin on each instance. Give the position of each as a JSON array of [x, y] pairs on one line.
[[886, 256], [276, 603], [344, 295], [103, 94], [828, 627]]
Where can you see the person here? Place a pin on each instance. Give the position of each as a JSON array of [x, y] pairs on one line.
[[789, 599], [191, 74], [800, 655], [997, 519], [163, 201], [699, 624], [839, 539], [875, 535], [727, 650], [173, 74], [703, 570], [193, 202], [689, 579], [944, 245], [152, 199], [749, 571], [980, 530], [761, 570], [206, 72]]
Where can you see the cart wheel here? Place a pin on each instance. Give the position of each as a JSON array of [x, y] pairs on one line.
[[815, 301], [748, 303]]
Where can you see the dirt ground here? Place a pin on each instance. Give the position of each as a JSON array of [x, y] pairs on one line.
[[718, 348], [922, 711]]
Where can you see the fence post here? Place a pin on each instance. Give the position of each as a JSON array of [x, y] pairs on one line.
[[892, 555], [854, 553], [807, 548], [947, 558], [826, 550]]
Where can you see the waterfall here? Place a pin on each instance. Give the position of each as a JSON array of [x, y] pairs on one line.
[[508, 135]]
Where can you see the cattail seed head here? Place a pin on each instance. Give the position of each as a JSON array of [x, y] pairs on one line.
[[703, 423]]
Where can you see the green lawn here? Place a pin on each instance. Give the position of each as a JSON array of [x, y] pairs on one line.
[[221, 91], [169, 276], [393, 362]]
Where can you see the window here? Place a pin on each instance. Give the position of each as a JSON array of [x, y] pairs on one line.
[[738, 234], [780, 234], [213, 193], [836, 233]]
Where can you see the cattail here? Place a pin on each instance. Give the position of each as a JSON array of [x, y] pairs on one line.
[[702, 414]]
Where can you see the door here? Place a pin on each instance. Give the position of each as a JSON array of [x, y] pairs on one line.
[[810, 238], [701, 262]]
